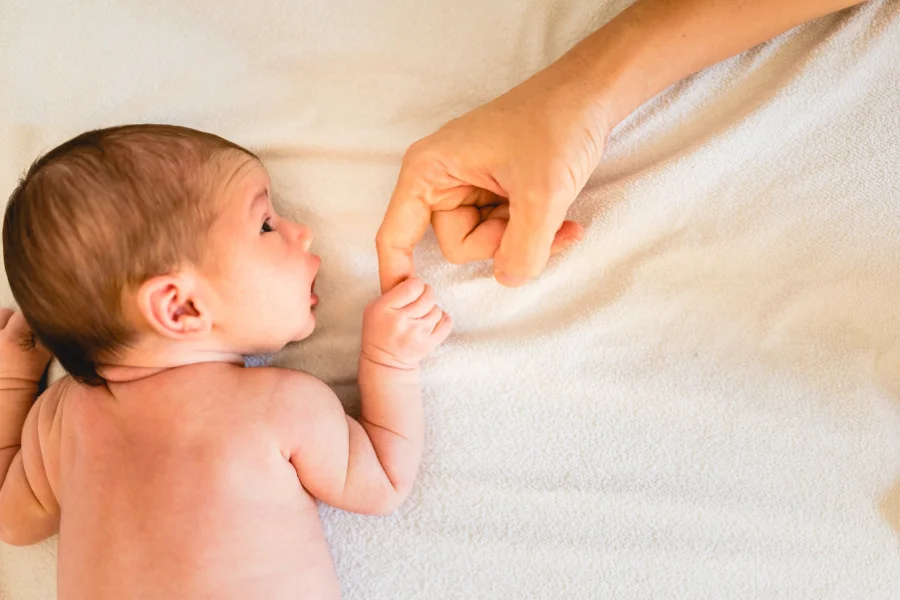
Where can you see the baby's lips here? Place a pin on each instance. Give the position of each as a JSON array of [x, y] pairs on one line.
[[317, 262]]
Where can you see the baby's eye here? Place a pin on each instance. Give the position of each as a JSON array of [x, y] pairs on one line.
[[267, 226]]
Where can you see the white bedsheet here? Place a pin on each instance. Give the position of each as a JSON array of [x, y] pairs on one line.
[[702, 400]]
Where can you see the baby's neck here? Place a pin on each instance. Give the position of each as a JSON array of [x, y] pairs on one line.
[[122, 373], [139, 363]]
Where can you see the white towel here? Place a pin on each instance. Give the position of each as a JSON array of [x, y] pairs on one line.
[[699, 401]]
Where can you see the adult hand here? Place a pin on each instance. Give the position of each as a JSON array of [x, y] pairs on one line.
[[497, 181], [526, 155]]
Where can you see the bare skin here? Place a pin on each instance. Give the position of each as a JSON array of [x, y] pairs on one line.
[[179, 486], [497, 182], [188, 476]]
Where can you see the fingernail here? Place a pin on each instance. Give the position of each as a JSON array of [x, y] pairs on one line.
[[507, 280]]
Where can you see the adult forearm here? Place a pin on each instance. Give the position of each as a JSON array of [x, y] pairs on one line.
[[654, 43]]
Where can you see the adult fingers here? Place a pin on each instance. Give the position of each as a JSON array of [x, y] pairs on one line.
[[526, 243], [405, 293], [405, 222], [568, 235], [463, 237]]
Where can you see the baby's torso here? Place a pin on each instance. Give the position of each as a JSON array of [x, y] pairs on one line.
[[178, 489]]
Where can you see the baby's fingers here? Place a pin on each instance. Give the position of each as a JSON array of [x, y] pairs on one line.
[[405, 293], [22, 333], [442, 329], [422, 305], [16, 328], [21, 355], [17, 325], [431, 319]]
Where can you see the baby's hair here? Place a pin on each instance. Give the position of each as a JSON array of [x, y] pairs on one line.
[[99, 215]]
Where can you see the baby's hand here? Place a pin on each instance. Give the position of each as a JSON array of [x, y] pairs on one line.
[[21, 356], [402, 326]]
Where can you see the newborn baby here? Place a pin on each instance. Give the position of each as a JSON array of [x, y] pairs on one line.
[[149, 260]]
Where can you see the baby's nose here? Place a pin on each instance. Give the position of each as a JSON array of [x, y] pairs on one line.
[[305, 237]]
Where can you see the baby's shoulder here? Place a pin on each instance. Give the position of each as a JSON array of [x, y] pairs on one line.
[[68, 391], [290, 395], [297, 404], [281, 383], [63, 399]]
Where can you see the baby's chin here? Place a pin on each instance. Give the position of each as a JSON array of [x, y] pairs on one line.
[[276, 342], [307, 329]]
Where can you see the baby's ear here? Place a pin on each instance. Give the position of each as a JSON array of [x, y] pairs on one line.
[[172, 307]]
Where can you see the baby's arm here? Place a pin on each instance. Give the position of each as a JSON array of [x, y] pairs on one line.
[[26, 516], [392, 418], [370, 466]]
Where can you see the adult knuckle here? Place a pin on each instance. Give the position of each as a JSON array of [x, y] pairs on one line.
[[565, 182], [418, 152], [384, 240], [534, 197]]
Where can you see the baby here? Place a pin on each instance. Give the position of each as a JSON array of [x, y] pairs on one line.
[[149, 260]]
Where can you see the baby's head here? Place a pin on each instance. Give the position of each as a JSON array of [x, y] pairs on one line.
[[155, 246]]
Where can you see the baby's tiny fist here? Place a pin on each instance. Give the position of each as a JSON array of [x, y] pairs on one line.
[[21, 355], [404, 325]]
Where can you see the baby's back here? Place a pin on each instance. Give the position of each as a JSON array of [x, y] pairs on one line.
[[177, 487]]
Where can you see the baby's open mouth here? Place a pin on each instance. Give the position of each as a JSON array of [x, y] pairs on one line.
[[313, 299]]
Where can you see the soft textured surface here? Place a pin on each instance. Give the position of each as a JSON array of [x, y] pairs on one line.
[[700, 401]]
